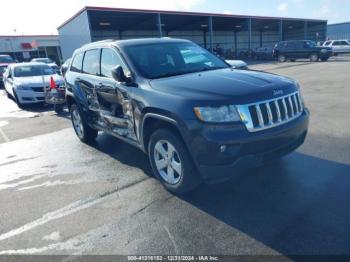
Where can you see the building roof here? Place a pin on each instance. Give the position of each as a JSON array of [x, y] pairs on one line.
[[343, 23], [126, 10], [23, 36]]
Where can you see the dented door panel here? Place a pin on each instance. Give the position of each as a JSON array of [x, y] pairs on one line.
[[115, 107]]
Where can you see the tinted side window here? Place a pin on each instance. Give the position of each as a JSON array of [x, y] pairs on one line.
[[77, 62], [109, 60], [91, 63], [344, 43], [299, 45], [290, 45], [336, 43]]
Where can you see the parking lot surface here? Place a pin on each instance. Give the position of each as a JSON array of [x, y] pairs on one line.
[[60, 196]]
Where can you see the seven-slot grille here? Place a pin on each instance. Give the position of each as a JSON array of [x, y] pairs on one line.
[[270, 113]]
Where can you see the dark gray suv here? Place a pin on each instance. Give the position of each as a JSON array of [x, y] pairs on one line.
[[301, 49], [197, 118]]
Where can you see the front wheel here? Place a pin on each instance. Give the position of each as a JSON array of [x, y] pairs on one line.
[[84, 132], [18, 102], [58, 108], [324, 59], [171, 162], [314, 57], [282, 58]]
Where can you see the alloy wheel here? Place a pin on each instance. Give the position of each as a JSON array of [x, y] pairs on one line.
[[168, 162], [77, 123]]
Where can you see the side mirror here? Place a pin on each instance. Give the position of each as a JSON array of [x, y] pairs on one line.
[[64, 69], [119, 75]]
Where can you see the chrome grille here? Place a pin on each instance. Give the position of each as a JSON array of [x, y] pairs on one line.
[[270, 113]]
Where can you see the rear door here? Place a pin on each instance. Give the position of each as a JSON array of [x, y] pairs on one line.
[[291, 50], [336, 46], [302, 49]]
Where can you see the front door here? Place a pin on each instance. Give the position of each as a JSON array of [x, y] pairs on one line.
[[114, 97]]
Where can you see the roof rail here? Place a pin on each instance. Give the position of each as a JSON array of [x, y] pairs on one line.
[[99, 42]]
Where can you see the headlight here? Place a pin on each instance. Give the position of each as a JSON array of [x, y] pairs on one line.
[[222, 114], [323, 50]]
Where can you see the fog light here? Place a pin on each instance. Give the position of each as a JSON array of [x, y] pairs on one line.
[[222, 148]]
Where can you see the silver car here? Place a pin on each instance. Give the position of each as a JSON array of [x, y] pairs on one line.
[[338, 46], [26, 81]]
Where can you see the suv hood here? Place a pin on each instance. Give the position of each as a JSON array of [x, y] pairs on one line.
[[226, 84]]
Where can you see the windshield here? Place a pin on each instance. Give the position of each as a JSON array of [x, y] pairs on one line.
[[43, 60], [164, 60], [6, 59], [32, 70]]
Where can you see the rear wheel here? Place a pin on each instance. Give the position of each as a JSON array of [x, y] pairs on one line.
[[58, 108], [282, 58], [314, 57], [292, 60], [84, 132], [324, 59], [171, 162]]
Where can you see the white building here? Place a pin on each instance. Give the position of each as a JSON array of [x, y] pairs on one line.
[[26, 47]]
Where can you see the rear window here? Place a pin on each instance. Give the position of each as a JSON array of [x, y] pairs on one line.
[[91, 63], [77, 63]]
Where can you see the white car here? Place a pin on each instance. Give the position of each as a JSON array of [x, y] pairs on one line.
[[338, 46], [237, 64], [25, 82]]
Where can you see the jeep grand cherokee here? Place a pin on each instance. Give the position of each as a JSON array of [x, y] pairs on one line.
[[197, 118]]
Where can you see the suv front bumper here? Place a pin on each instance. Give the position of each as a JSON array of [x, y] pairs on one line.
[[221, 152]]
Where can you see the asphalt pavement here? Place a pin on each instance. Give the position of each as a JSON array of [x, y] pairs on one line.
[[60, 196]]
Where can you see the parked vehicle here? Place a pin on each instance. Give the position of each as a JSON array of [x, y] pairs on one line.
[[237, 64], [297, 49], [262, 53], [338, 46], [2, 70], [198, 120], [26, 82], [49, 62], [65, 66], [5, 60]]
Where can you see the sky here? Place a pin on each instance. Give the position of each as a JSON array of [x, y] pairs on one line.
[[44, 16]]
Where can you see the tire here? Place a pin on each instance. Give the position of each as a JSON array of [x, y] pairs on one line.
[[58, 109], [282, 58], [324, 59], [292, 60], [19, 104], [84, 132], [314, 57], [184, 176]]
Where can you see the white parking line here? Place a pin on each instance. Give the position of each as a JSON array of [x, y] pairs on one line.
[[2, 133]]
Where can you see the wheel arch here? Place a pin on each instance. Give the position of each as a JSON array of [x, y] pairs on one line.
[[153, 120]]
